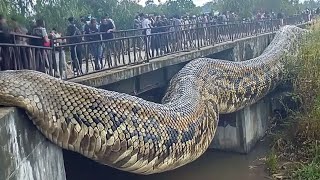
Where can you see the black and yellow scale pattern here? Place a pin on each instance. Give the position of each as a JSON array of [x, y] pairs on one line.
[[131, 134]]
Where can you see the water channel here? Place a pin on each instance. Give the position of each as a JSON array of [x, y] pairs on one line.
[[213, 165]]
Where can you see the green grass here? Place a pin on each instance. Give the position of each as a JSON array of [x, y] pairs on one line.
[[311, 170], [299, 140], [308, 172], [272, 162]]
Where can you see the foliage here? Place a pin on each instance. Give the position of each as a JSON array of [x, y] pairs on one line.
[[310, 171], [246, 8], [241, 7], [180, 7], [310, 4], [272, 162], [307, 85], [299, 145], [55, 12]]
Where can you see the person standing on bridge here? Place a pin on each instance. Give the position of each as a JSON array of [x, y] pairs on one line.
[[95, 48], [5, 37], [280, 16], [146, 26], [75, 49], [59, 57], [107, 28], [5, 32]]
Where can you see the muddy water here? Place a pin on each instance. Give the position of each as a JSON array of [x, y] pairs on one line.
[[213, 165]]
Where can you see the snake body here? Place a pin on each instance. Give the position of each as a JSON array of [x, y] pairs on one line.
[[131, 134]]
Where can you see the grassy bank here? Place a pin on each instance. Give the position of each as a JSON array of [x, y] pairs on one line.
[[295, 153]]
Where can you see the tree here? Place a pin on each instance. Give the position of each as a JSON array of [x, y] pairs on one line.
[[310, 4], [55, 12], [243, 8], [180, 7], [246, 8], [210, 7]]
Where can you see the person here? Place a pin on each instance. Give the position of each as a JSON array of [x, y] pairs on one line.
[[107, 28], [84, 24], [5, 34], [280, 16], [59, 55], [155, 40], [308, 12], [177, 23], [88, 18], [146, 26], [111, 20], [5, 37], [75, 50], [95, 48], [43, 40], [40, 31], [136, 22]]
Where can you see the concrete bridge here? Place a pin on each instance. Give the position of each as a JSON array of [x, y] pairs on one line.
[[237, 132], [26, 154]]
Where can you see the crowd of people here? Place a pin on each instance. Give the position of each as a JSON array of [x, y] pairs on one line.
[[91, 29]]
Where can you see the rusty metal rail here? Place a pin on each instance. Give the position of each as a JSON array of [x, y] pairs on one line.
[[67, 60]]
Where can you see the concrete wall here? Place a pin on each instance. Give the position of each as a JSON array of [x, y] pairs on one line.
[[240, 131], [24, 153], [245, 50]]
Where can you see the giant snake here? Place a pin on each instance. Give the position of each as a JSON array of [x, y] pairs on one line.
[[131, 134]]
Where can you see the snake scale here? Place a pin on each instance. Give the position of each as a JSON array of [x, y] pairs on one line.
[[131, 134]]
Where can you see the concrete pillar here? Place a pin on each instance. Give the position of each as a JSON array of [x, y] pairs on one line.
[[240, 131], [24, 152]]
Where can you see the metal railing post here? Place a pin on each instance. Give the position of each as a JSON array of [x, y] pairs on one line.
[[198, 37], [147, 46], [53, 55]]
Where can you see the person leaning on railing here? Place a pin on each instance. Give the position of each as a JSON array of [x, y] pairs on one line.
[[107, 28], [43, 41]]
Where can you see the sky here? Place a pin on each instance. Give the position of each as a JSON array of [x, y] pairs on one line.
[[196, 2]]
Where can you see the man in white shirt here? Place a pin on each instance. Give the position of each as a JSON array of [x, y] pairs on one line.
[[146, 24]]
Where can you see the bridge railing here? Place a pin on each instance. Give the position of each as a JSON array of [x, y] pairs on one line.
[[67, 60], [18, 54]]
